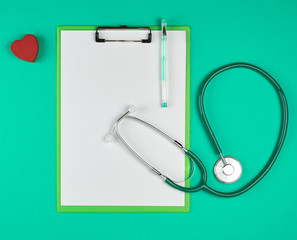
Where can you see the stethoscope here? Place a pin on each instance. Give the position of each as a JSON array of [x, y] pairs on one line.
[[226, 169]]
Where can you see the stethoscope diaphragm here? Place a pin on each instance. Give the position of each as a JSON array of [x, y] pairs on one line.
[[228, 172]]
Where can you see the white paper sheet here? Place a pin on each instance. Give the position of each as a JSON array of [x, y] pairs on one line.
[[98, 82]]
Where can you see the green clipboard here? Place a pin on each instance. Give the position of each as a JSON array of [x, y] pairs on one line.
[[63, 208]]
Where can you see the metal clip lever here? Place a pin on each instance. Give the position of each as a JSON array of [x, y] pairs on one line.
[[123, 27]]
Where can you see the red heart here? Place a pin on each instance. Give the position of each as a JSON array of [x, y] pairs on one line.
[[25, 49]]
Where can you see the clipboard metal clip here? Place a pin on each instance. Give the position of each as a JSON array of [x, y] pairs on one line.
[[123, 27]]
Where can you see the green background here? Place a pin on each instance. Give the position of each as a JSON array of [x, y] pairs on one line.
[[242, 108]]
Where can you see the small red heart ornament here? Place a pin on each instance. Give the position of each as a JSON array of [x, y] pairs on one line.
[[26, 49]]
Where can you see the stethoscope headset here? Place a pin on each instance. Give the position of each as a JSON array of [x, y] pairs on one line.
[[226, 169]]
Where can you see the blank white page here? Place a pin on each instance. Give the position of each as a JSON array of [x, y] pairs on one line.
[[98, 82]]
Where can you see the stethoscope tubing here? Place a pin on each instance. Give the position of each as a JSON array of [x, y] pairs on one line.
[[282, 133], [202, 185]]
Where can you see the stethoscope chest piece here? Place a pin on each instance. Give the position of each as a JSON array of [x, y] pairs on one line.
[[228, 172]]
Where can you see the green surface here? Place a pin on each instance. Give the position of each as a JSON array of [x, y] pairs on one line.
[[118, 209], [258, 32]]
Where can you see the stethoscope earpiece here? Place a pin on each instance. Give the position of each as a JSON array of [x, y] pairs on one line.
[[132, 108], [109, 138]]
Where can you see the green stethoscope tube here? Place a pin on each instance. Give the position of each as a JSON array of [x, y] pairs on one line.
[[202, 185]]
